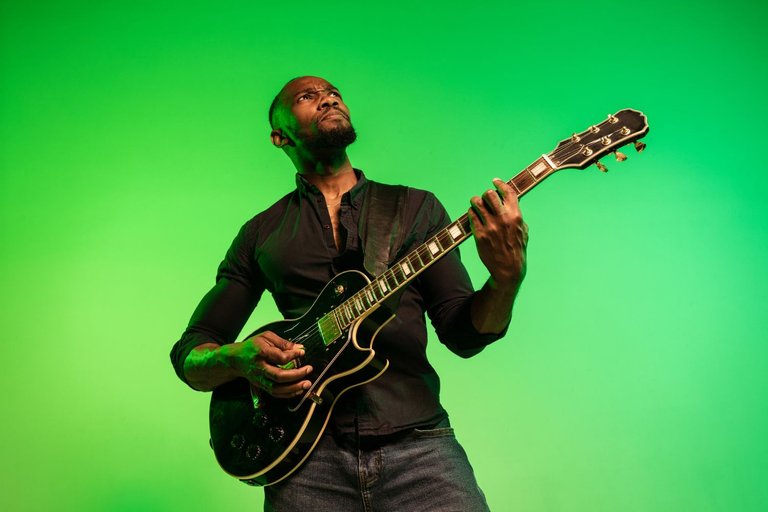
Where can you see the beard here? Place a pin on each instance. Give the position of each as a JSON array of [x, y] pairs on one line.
[[332, 139]]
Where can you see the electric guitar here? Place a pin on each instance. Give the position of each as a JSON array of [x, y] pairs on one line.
[[260, 439]]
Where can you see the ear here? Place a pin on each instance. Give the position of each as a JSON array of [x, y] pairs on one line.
[[279, 139]]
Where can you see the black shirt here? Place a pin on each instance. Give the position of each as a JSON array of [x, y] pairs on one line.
[[289, 250]]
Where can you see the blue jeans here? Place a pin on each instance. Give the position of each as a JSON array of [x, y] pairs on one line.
[[421, 471]]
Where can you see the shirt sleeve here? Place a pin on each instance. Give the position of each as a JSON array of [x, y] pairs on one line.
[[448, 293], [223, 311]]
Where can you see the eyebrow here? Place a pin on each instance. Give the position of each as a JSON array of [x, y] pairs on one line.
[[315, 89]]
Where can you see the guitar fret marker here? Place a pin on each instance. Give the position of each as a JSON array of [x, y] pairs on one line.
[[406, 268], [539, 168], [454, 231], [433, 248], [383, 286]]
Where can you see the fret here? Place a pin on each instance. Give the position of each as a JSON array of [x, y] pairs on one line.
[[424, 254], [370, 296], [350, 314], [420, 264], [345, 320], [359, 307], [522, 182], [445, 240], [401, 278], [374, 288], [335, 315], [391, 281]]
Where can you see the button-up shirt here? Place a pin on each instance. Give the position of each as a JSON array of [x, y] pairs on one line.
[[289, 250]]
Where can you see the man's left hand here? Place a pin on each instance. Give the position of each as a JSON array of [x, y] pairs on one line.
[[500, 234]]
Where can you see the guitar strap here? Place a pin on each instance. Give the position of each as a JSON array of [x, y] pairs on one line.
[[381, 225]]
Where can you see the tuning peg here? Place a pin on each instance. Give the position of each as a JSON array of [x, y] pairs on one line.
[[639, 146], [601, 166], [620, 157]]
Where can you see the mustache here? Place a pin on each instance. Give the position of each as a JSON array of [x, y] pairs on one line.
[[334, 110]]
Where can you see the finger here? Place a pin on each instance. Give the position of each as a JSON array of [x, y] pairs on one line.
[[279, 356], [479, 210], [290, 390], [505, 190], [262, 382], [493, 200], [508, 195], [290, 349], [282, 376], [278, 341]]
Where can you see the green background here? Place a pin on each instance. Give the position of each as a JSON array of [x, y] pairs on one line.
[[134, 143]]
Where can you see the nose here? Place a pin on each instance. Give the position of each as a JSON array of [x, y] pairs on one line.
[[329, 101]]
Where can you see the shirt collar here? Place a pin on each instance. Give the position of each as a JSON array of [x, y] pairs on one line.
[[307, 189]]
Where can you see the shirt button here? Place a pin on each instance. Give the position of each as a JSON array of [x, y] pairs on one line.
[[326, 226]]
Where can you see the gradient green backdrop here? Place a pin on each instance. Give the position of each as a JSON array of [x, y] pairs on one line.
[[133, 144]]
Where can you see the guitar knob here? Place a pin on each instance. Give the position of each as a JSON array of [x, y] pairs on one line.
[[259, 420], [276, 434], [237, 441], [639, 146], [601, 166], [253, 451], [620, 156]]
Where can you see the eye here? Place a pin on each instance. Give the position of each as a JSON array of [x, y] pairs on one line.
[[304, 97]]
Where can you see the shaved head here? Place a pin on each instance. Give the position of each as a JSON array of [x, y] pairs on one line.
[[309, 111]]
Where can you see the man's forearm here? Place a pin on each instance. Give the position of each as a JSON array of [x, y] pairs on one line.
[[207, 366], [491, 308]]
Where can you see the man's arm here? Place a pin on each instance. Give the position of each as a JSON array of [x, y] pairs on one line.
[[501, 237], [257, 359], [206, 357]]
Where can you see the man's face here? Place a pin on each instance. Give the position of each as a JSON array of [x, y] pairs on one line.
[[312, 113]]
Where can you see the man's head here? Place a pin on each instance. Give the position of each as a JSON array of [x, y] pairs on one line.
[[309, 116]]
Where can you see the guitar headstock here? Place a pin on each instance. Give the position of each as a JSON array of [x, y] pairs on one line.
[[585, 148]]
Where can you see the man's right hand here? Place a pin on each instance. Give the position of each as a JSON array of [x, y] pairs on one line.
[[268, 361], [265, 359]]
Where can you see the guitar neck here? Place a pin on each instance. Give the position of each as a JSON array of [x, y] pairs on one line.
[[410, 266]]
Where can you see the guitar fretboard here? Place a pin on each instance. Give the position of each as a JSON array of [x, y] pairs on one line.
[[406, 269]]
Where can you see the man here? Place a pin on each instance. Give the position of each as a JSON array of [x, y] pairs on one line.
[[389, 445]]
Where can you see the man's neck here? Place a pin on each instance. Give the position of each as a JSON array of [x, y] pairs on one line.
[[333, 177]]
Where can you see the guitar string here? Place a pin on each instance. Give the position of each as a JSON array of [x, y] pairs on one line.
[[556, 153]]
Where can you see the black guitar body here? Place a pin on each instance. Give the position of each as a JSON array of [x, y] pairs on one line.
[[261, 439]]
